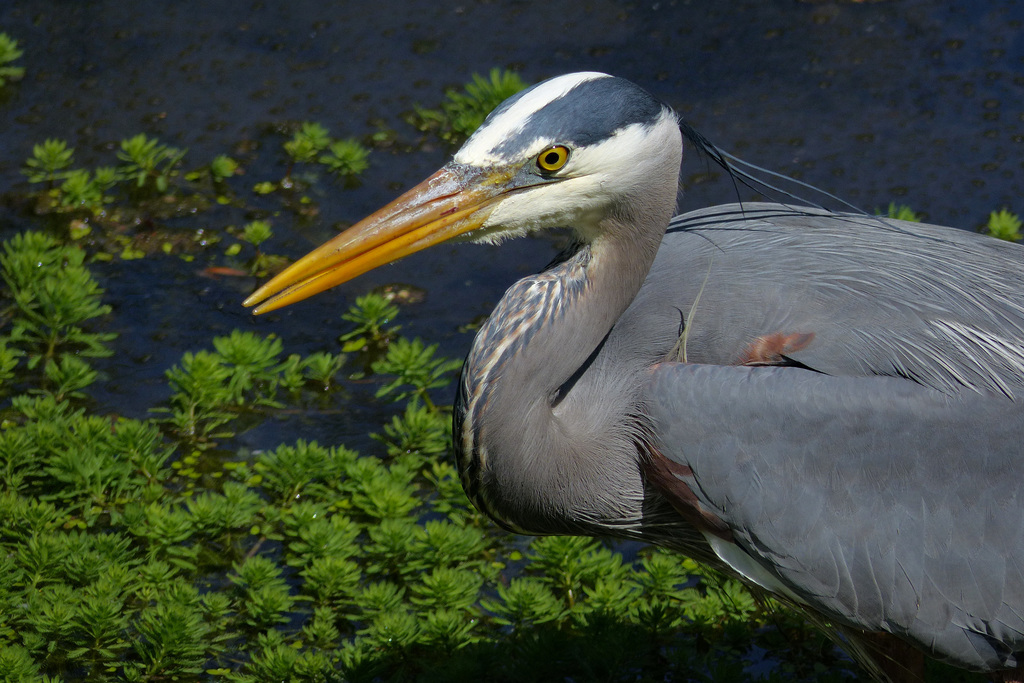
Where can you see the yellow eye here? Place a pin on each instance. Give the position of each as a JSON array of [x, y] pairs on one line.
[[553, 158]]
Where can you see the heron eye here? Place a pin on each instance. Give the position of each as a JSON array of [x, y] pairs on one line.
[[552, 159]]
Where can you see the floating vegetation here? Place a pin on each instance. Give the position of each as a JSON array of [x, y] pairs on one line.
[[54, 297], [135, 550], [147, 187], [416, 369], [463, 111], [1004, 225], [372, 315], [223, 167], [345, 157], [106, 195], [901, 212], [9, 52], [255, 233], [1001, 224], [311, 139], [146, 161], [48, 162], [163, 549], [312, 143]]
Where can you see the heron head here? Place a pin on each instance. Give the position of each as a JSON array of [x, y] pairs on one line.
[[570, 152]]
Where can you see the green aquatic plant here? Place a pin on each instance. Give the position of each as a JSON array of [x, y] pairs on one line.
[[146, 187], [256, 233], [419, 430], [416, 369], [321, 368], [9, 358], [313, 143], [93, 190], [307, 142], [1004, 225], [901, 212], [462, 111], [146, 160], [209, 388], [81, 189], [84, 190], [524, 603], [48, 162], [303, 472], [468, 109], [246, 372], [54, 297], [345, 157], [131, 550], [68, 376], [372, 314], [264, 188], [9, 52], [223, 167]]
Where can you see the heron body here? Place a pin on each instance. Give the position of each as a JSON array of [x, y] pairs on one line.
[[828, 405]]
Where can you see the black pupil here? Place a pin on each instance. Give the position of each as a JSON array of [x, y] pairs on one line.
[[551, 158]]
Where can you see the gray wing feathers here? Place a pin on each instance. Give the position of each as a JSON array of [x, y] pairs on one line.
[[890, 504], [881, 297], [887, 504]]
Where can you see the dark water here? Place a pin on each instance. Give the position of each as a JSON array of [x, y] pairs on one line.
[[915, 102]]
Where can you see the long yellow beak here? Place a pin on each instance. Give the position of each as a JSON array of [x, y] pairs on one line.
[[452, 202]]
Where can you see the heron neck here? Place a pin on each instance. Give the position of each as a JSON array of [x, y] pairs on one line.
[[526, 433], [560, 317]]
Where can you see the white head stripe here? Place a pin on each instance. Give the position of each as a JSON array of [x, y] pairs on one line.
[[477, 149]]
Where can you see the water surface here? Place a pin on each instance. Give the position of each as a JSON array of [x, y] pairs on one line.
[[914, 102]]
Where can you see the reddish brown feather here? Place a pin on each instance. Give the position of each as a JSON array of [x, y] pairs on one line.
[[773, 349], [670, 479]]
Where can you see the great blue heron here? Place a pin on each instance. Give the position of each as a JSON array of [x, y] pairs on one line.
[[825, 404]]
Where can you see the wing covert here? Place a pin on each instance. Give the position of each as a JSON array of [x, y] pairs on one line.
[[889, 505]]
